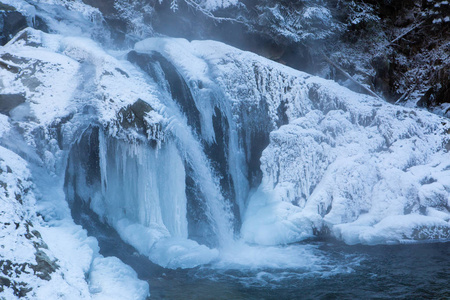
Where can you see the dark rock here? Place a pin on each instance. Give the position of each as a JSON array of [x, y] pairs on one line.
[[24, 36], [430, 233], [9, 67], [86, 152], [133, 115], [13, 58], [6, 7], [106, 7], [44, 265], [10, 101], [40, 24], [19, 198], [381, 81], [153, 63], [11, 22], [4, 282]]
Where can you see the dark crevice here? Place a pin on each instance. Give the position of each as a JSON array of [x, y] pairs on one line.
[[217, 152], [199, 227]]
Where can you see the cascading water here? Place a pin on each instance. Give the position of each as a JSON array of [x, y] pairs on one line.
[[194, 181], [189, 126], [165, 189]]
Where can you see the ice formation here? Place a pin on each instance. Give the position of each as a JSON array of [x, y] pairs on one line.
[[345, 163]]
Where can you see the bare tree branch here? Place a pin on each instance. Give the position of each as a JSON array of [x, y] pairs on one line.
[[208, 13], [405, 33], [406, 95], [370, 92]]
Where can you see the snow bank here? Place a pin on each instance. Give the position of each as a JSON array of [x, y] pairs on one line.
[[29, 265], [111, 279]]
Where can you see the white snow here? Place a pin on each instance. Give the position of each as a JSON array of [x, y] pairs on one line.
[[73, 251], [111, 279]]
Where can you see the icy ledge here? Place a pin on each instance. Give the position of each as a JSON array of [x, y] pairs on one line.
[[346, 164]]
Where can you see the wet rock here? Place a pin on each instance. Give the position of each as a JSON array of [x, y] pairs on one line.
[[430, 233], [152, 63], [11, 22], [10, 101], [132, 116]]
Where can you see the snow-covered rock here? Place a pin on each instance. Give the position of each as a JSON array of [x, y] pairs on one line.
[[345, 163]]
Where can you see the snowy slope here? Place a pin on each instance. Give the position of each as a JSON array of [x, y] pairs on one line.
[[37, 256]]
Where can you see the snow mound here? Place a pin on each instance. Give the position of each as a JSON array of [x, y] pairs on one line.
[[111, 279]]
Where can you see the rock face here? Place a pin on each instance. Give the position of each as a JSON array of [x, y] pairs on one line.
[[29, 267], [23, 255], [11, 22]]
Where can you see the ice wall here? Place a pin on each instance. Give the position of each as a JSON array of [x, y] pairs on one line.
[[135, 182]]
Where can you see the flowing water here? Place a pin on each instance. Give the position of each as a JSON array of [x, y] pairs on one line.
[[189, 187], [311, 270]]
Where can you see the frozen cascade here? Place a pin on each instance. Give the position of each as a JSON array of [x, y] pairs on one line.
[[182, 108], [323, 138], [142, 184], [148, 187], [140, 190]]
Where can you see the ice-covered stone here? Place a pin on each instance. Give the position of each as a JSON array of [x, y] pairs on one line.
[[343, 158]]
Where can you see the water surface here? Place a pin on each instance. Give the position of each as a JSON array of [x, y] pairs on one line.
[[310, 270]]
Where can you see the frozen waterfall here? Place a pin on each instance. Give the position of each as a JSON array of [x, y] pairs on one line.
[[196, 152]]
